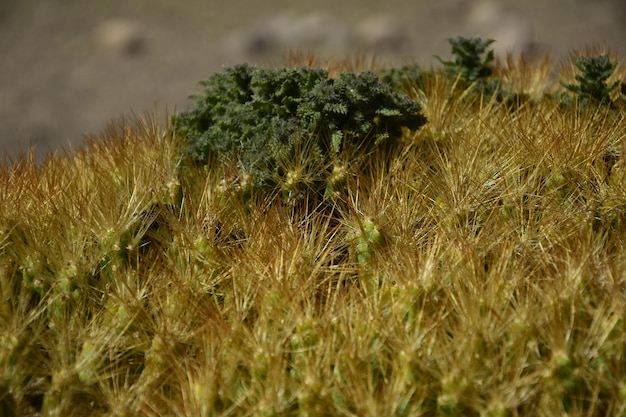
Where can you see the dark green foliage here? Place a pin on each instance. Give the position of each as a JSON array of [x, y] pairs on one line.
[[471, 64], [403, 79], [260, 118], [592, 82]]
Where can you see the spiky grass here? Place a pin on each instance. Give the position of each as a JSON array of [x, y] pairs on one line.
[[477, 269]]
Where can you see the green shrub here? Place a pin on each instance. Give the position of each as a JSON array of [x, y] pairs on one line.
[[472, 64], [468, 61], [404, 78], [593, 83], [265, 118]]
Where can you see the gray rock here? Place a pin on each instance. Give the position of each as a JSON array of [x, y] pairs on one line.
[[489, 19], [120, 36], [314, 30], [381, 32]]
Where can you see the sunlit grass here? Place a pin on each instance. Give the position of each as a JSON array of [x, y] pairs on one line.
[[479, 270]]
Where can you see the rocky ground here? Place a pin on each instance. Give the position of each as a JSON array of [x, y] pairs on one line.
[[71, 66]]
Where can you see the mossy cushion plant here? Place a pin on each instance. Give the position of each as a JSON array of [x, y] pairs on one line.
[[467, 256]]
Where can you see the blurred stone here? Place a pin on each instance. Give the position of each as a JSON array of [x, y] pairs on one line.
[[381, 32], [120, 36], [489, 19], [317, 29], [290, 29], [242, 43]]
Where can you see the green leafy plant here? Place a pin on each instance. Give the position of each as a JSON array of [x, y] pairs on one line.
[[404, 78], [285, 127], [468, 61], [472, 63], [593, 85]]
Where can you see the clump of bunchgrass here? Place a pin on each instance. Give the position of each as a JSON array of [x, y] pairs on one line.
[[530, 79]]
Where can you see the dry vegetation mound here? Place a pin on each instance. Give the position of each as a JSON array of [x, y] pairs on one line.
[[476, 269]]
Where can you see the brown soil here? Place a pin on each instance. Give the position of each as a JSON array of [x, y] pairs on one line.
[[60, 78]]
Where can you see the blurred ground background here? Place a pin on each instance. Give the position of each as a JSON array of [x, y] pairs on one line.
[[70, 67]]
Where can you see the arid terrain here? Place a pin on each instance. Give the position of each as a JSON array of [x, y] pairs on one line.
[[69, 67]]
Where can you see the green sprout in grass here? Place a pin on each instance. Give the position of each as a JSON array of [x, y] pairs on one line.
[[364, 241]]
